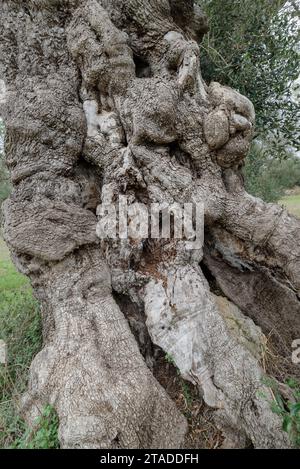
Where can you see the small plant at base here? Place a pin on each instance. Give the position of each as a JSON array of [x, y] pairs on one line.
[[169, 359], [184, 385], [44, 436], [186, 393], [288, 410]]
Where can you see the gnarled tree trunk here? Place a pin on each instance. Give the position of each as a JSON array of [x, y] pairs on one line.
[[105, 98]]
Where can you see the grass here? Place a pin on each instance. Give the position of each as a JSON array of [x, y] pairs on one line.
[[288, 409], [44, 437], [20, 328], [292, 204]]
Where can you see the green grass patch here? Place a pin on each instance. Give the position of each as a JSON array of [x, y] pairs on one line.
[[45, 435], [292, 204], [20, 328], [4, 252]]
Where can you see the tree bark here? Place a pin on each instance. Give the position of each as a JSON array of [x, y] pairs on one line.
[[105, 98]]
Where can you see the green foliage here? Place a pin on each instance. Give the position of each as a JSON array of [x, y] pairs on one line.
[[292, 204], [185, 386], [169, 359], [20, 328], [289, 410], [268, 177], [253, 46], [45, 434]]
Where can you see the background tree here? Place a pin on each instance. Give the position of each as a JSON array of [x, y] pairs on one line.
[[4, 176], [269, 178], [253, 46]]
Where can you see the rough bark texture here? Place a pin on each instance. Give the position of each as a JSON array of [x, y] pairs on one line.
[[106, 98]]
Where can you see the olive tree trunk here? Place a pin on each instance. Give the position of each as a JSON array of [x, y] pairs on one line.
[[105, 98]]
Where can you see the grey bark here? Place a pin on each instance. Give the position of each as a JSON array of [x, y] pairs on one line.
[[106, 98]]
